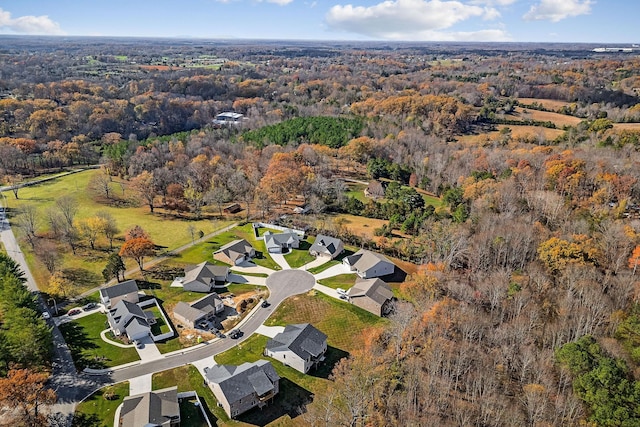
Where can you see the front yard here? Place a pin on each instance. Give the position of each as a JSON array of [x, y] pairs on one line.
[[344, 281], [97, 410], [88, 349]]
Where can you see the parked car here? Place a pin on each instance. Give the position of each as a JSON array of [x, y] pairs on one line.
[[90, 306], [74, 311], [139, 345], [46, 315], [235, 333], [265, 303], [220, 335], [341, 291]]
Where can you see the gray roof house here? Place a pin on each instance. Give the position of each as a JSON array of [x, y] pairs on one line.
[[127, 290], [152, 409], [326, 246], [241, 388], [300, 346], [369, 264], [203, 309], [235, 252], [203, 277], [281, 242], [373, 295], [127, 318]]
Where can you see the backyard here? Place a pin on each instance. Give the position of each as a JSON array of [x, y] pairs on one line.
[[99, 409]]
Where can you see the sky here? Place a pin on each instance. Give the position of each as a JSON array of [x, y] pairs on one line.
[[570, 21]]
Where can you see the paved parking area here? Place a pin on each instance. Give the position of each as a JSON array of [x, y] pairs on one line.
[[334, 271], [140, 384], [149, 351], [269, 331]]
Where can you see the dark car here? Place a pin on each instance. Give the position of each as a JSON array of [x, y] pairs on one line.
[[265, 303], [235, 333]]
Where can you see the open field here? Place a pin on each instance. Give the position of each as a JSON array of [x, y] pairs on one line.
[[560, 120], [87, 347], [549, 104], [97, 411], [85, 267], [626, 126]]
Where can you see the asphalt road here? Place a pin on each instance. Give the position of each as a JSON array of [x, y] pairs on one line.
[[281, 284]]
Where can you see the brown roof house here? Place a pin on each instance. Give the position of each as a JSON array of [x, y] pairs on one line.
[[241, 388], [202, 310], [203, 277], [374, 190], [369, 264], [127, 291], [300, 346], [235, 253], [152, 409], [373, 295]]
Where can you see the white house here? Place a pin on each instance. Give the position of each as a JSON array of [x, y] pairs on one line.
[[369, 264]]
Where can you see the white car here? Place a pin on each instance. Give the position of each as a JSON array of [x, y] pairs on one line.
[[341, 291], [46, 315]]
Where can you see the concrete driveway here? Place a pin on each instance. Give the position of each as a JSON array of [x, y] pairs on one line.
[[280, 260], [249, 267], [240, 278], [327, 291], [315, 263], [333, 271], [269, 331], [141, 384], [149, 351]]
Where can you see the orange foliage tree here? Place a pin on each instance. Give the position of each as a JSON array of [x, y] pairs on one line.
[[138, 248], [24, 391], [634, 259]]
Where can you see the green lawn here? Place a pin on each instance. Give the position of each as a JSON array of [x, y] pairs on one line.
[[301, 256], [263, 230], [344, 281], [86, 265], [160, 327], [323, 267], [356, 190], [96, 411], [87, 347], [187, 378]]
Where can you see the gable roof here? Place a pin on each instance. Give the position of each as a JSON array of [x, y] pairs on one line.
[[236, 249], [124, 288], [326, 245], [277, 240], [302, 339], [237, 382], [205, 271], [199, 308], [375, 289], [122, 315], [375, 189], [153, 408], [363, 260]]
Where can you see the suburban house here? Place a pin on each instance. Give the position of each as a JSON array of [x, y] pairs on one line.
[[278, 243], [240, 388], [235, 253], [151, 409], [127, 318], [375, 189], [203, 277], [369, 264], [127, 291], [232, 208], [325, 246], [228, 118], [373, 295], [300, 346], [204, 309]]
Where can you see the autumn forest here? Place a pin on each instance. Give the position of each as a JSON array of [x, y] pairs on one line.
[[512, 195]]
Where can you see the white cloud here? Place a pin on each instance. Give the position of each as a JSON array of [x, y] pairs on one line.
[[413, 20], [494, 2], [554, 10], [28, 24], [278, 2]]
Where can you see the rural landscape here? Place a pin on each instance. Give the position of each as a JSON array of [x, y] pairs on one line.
[[238, 233]]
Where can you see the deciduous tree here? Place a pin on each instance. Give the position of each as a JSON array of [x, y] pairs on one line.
[[137, 248], [25, 391]]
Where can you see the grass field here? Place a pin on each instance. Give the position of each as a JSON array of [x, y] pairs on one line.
[[344, 281], [559, 120], [85, 267], [87, 347], [301, 256], [626, 126], [96, 411], [549, 104], [356, 190]]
